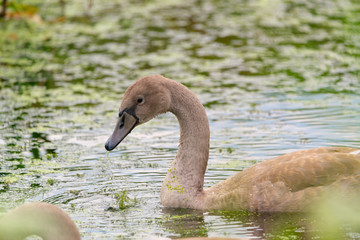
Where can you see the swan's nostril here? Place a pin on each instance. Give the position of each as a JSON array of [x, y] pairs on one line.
[[122, 123]]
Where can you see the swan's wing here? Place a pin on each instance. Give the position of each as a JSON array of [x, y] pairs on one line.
[[308, 168], [289, 182], [293, 181]]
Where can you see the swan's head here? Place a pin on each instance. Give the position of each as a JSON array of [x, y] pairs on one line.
[[142, 101]]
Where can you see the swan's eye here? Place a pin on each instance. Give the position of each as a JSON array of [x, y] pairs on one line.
[[139, 100]]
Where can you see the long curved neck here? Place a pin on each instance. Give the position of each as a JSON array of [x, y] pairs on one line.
[[41, 219], [190, 163]]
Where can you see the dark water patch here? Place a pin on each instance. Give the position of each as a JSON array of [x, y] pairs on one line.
[[4, 173]]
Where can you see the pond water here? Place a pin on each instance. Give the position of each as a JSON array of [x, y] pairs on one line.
[[274, 76]]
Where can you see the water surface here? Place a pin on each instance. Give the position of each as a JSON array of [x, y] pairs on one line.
[[274, 76]]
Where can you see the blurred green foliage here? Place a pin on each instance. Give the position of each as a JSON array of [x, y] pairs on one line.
[[337, 216]]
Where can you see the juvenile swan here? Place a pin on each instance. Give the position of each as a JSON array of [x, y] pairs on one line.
[[41, 219], [286, 183]]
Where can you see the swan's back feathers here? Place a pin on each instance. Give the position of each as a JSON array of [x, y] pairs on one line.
[[290, 182], [309, 168]]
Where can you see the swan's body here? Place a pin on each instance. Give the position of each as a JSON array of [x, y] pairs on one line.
[[41, 219], [286, 183]]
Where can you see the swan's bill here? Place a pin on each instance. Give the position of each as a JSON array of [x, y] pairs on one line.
[[123, 127]]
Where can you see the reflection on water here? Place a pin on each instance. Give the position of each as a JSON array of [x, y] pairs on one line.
[[184, 223], [274, 76], [190, 223]]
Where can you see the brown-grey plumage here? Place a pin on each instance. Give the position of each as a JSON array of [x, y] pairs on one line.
[[41, 219], [287, 183]]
